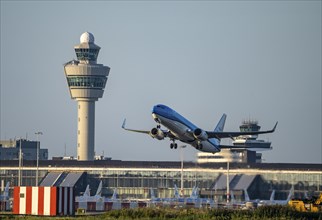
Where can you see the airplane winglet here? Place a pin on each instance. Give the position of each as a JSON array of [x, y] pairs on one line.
[[275, 126], [123, 125]]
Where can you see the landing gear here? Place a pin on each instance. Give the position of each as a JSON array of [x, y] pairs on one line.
[[199, 146], [173, 145]]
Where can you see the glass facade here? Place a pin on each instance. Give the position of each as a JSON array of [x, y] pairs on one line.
[[137, 182], [86, 54], [87, 81]]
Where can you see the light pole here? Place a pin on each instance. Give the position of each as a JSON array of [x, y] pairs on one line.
[[228, 193], [181, 155], [37, 172], [19, 175]]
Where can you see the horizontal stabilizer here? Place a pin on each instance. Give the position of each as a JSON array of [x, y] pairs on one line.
[[219, 135]]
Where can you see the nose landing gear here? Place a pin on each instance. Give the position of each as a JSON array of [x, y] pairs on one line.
[[199, 146], [173, 145]]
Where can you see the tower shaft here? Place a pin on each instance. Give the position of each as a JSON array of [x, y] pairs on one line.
[[86, 129]]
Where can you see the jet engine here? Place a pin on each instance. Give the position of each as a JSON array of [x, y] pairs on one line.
[[200, 134], [157, 133]]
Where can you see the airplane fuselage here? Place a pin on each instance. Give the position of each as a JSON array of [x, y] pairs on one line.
[[182, 129]]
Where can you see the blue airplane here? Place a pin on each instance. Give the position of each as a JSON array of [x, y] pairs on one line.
[[180, 129]]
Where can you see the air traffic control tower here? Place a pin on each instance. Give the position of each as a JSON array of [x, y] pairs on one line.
[[86, 81]]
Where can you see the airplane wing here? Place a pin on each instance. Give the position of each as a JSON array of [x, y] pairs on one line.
[[139, 131], [219, 135], [155, 132]]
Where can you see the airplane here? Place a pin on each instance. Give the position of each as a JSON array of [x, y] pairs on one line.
[[98, 199], [271, 201], [87, 195], [195, 201], [154, 199], [176, 196], [247, 198], [180, 129], [278, 202], [5, 195]]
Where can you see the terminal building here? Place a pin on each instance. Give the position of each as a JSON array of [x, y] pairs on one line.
[[9, 150], [134, 179]]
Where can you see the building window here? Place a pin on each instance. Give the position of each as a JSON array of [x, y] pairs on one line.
[[86, 54], [88, 82]]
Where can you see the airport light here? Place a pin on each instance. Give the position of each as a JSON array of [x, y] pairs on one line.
[[37, 172], [181, 155]]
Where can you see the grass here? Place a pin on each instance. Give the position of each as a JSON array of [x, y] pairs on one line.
[[261, 213]]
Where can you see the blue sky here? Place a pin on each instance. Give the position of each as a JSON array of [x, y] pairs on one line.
[[248, 59]]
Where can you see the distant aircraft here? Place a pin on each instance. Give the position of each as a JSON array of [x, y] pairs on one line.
[[5, 194], [179, 128], [247, 199], [98, 199], [176, 196], [271, 201], [154, 199], [87, 195], [278, 202]]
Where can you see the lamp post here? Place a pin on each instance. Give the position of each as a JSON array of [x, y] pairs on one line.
[[181, 155], [228, 181], [37, 172], [19, 175]]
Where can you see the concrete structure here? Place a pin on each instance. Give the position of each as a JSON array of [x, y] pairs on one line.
[[9, 150], [86, 80]]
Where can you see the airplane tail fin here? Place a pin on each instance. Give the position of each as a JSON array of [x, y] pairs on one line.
[[99, 190], [114, 196], [6, 190], [272, 195], [246, 195], [194, 193], [290, 193], [152, 193], [176, 192], [232, 196], [221, 124], [87, 191]]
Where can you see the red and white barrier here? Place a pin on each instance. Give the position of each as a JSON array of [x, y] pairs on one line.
[[43, 200], [29, 200]]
